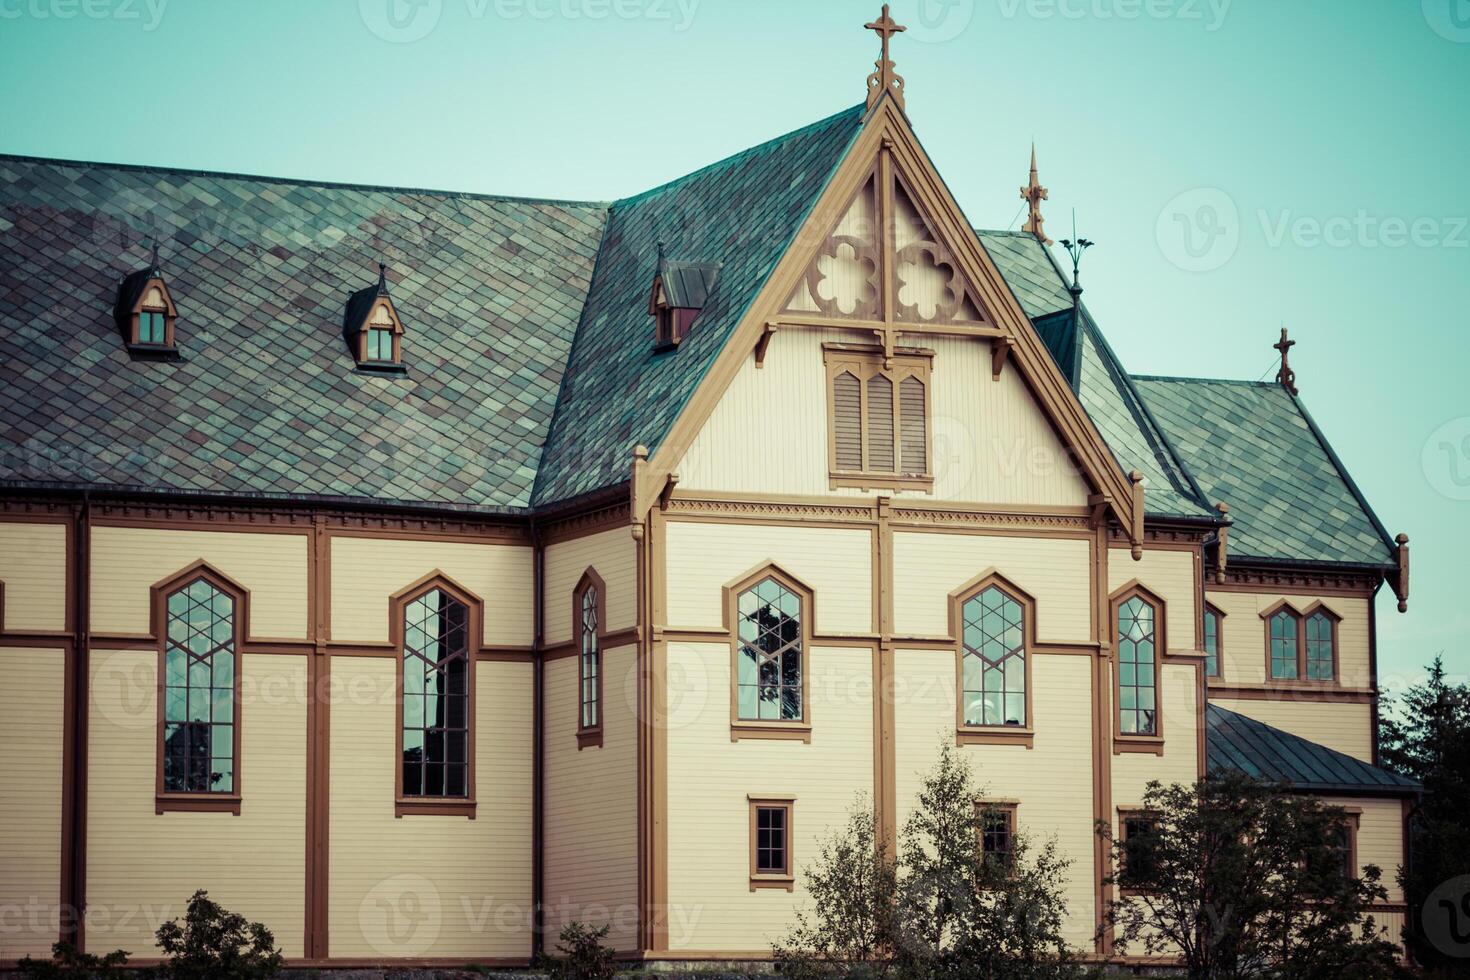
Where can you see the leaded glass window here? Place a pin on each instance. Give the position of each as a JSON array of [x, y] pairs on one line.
[[199, 691], [436, 696], [1212, 643], [1137, 668], [1320, 658], [591, 660], [1283, 646], [993, 663], [768, 658]]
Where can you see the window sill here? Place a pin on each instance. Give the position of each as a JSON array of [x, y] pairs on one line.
[[1140, 744], [589, 738], [154, 352], [196, 803], [771, 731], [382, 369], [782, 882], [433, 806], [879, 481], [996, 735]]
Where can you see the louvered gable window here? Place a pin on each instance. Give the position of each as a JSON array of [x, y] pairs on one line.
[[879, 430]]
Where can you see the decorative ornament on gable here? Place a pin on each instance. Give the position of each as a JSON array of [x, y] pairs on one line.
[[1286, 377], [885, 81], [373, 329], [1033, 194], [145, 313]]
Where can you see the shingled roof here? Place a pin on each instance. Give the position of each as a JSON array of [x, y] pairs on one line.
[[1235, 742], [1255, 447]]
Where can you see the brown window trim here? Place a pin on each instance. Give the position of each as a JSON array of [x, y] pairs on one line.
[[1009, 809], [968, 734], [170, 315], [1145, 744], [1301, 682], [1353, 821], [750, 728], [165, 801], [590, 736], [863, 362], [787, 879], [360, 348], [1211, 609], [1126, 813], [443, 806]]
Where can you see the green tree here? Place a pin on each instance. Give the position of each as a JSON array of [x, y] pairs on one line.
[[1242, 879], [1425, 735], [216, 944]]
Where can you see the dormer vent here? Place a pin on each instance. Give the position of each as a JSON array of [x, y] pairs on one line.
[[680, 291], [146, 314], [373, 329]]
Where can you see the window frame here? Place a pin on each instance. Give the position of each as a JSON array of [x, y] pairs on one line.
[[1210, 609], [781, 729], [1301, 616], [971, 734], [1351, 823], [200, 801], [1125, 816], [394, 325], [1008, 809], [1130, 742], [786, 879], [449, 806], [590, 736], [864, 362], [170, 313]]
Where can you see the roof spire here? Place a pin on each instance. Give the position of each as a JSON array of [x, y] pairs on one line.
[[1033, 194], [1286, 377], [382, 278], [1075, 247], [885, 80], [153, 259]]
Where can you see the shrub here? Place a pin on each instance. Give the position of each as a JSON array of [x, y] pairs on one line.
[[68, 963], [216, 944], [583, 957]]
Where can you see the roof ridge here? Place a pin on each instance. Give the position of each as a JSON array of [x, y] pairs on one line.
[[1206, 381], [298, 181], [742, 154]]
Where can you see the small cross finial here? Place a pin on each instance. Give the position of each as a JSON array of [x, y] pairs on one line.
[[885, 79], [153, 257], [1286, 376], [382, 277], [1033, 194]]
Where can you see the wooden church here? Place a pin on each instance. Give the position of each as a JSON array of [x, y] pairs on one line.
[[585, 561]]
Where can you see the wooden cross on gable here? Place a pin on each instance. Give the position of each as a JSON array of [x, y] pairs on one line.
[[885, 79], [1286, 376]]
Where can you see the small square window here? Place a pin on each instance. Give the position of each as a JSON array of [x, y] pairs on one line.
[[380, 345], [1140, 839], [770, 843], [151, 327], [998, 834]]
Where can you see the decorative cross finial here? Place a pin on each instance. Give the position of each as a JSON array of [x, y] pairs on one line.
[[885, 79], [153, 258], [382, 278], [1286, 376], [1033, 194]]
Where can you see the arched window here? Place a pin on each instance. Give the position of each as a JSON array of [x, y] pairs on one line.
[[1321, 646], [1284, 629], [436, 731], [1214, 623], [993, 658], [198, 617], [1138, 661], [770, 682], [588, 616]]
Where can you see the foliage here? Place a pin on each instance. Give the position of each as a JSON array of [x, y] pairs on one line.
[[1426, 736], [582, 954], [216, 944], [1241, 879], [68, 963]]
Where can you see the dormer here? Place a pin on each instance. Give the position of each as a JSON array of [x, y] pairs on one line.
[[680, 291], [373, 330], [146, 314]]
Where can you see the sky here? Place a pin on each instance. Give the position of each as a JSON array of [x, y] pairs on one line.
[[1242, 165]]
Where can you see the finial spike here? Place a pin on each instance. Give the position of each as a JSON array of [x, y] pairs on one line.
[[1033, 194], [885, 81], [1286, 377], [153, 256]]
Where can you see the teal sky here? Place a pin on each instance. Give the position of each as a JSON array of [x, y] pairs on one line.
[[1315, 151]]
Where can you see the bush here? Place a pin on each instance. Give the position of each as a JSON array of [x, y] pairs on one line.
[[216, 944], [583, 957], [67, 963]]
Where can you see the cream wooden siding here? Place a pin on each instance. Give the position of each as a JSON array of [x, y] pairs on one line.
[[1344, 727], [1052, 781], [711, 906], [429, 886], [366, 572], [1380, 838], [31, 718], [141, 866], [1179, 709], [1244, 632], [613, 555], [990, 442], [128, 561], [33, 575], [836, 563], [1171, 575], [590, 839], [928, 566]]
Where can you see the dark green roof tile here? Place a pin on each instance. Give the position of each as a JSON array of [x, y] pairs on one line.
[[1237, 743]]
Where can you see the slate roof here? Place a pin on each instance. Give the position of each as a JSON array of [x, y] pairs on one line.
[[266, 400], [1253, 445], [687, 285], [1235, 742]]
